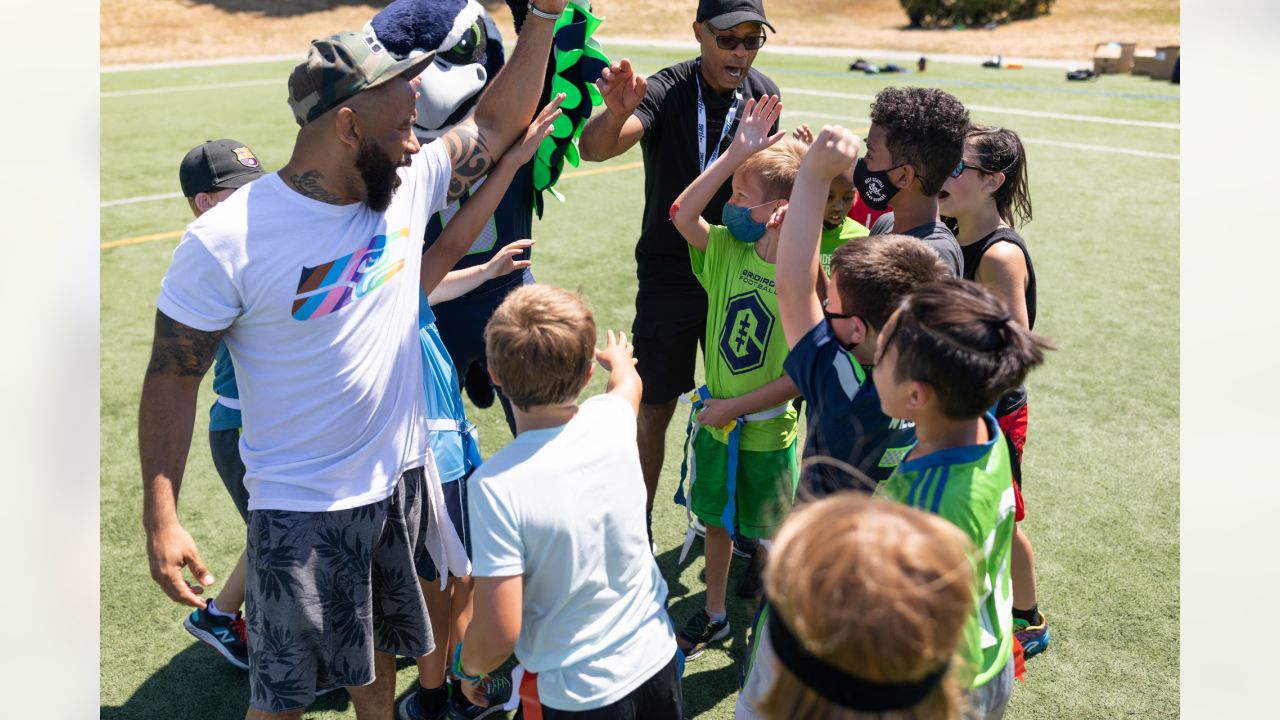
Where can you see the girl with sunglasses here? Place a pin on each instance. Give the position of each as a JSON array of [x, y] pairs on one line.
[[987, 197]]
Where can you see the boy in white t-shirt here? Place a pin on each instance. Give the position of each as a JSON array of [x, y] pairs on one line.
[[560, 553]]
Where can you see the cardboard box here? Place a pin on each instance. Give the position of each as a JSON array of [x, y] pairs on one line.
[[1144, 61], [1113, 57], [1162, 67]]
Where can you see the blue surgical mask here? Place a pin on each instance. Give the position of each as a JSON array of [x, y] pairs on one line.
[[738, 220]]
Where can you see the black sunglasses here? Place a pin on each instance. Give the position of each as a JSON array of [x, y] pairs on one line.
[[835, 316], [731, 42]]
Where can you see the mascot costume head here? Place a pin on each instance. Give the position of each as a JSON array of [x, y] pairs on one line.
[[469, 54]]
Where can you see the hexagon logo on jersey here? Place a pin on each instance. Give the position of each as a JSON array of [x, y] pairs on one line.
[[745, 335]]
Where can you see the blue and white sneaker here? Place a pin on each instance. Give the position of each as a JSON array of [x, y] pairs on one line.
[[226, 635]]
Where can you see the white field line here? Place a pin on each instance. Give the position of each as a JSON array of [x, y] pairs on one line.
[[786, 91], [139, 199], [191, 88], [1028, 140], [1001, 110]]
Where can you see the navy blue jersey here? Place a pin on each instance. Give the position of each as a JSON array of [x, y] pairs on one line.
[[843, 418], [513, 220]]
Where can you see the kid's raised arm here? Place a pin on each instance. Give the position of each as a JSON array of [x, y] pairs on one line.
[[462, 230], [832, 152], [752, 137]]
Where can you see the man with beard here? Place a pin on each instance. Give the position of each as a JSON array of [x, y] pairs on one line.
[[683, 117], [310, 276]]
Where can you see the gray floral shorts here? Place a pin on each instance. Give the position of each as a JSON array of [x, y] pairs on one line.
[[327, 589]]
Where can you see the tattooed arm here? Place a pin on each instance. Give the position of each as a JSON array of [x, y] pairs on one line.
[[180, 356], [506, 107]]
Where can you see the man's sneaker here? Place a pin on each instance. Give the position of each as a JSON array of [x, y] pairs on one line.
[[226, 635], [498, 695], [410, 708], [1034, 638], [742, 547], [699, 632]]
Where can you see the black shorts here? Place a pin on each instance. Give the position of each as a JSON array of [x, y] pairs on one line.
[[455, 503], [224, 446], [659, 698], [666, 363]]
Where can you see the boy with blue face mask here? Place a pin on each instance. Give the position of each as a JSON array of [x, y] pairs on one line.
[[744, 427]]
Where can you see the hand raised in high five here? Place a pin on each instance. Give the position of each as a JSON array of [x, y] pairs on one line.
[[527, 146], [803, 133], [753, 130], [622, 87], [831, 153]]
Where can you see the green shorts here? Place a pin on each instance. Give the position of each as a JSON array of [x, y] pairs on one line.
[[766, 485]]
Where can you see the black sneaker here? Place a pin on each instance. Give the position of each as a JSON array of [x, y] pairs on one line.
[[699, 632], [413, 707], [498, 694], [477, 385], [226, 635]]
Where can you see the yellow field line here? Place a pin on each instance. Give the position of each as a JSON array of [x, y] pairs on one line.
[[155, 237]]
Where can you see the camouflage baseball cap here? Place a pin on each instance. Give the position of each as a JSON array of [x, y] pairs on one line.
[[340, 66]]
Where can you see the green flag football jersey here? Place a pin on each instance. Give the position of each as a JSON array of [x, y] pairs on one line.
[[837, 236], [745, 345], [972, 486]]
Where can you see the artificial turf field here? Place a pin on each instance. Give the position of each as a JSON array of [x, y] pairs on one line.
[[1102, 456]]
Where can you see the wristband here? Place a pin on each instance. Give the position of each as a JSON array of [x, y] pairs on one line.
[[542, 14], [458, 672]]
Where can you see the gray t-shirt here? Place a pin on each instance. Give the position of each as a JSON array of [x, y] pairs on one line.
[[935, 235]]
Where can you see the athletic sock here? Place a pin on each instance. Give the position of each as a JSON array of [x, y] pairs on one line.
[[1030, 617], [214, 611], [433, 699], [718, 617]]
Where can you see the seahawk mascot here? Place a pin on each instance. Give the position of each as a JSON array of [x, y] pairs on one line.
[[469, 55]]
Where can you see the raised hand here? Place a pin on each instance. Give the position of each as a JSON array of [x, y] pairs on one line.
[[505, 262], [803, 134], [621, 87], [617, 351], [753, 130], [832, 152], [524, 150]]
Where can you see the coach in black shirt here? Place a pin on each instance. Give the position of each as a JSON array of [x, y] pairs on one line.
[[679, 116]]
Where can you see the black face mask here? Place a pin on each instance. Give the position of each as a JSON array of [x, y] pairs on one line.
[[833, 316], [875, 187]]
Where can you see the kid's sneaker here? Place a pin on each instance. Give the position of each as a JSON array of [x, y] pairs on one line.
[[498, 695], [701, 631], [1034, 638], [226, 635]]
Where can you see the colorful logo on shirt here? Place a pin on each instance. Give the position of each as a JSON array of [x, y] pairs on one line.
[[745, 335], [327, 288]]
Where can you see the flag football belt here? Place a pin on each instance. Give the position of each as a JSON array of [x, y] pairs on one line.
[[470, 437], [689, 464]]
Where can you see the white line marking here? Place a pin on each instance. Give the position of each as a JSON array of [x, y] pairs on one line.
[[1002, 110], [192, 88], [139, 199], [1029, 141]]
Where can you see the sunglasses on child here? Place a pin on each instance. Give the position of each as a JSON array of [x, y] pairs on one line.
[[835, 316], [731, 42]]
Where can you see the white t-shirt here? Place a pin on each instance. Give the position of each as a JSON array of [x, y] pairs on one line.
[[320, 305], [565, 507]]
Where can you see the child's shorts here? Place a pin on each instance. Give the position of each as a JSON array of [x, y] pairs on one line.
[[766, 485], [455, 503], [1014, 427]]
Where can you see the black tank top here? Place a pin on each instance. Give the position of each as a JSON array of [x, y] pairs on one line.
[[973, 253]]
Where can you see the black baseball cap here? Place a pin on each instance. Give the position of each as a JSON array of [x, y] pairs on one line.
[[724, 14], [218, 165]]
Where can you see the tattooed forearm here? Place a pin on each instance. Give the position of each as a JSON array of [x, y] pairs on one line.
[[470, 156], [309, 184], [181, 350]]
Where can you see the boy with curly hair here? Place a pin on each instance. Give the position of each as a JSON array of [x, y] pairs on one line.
[[915, 141]]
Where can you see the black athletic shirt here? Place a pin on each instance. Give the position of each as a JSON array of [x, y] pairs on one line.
[[973, 253], [670, 298], [934, 234]]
